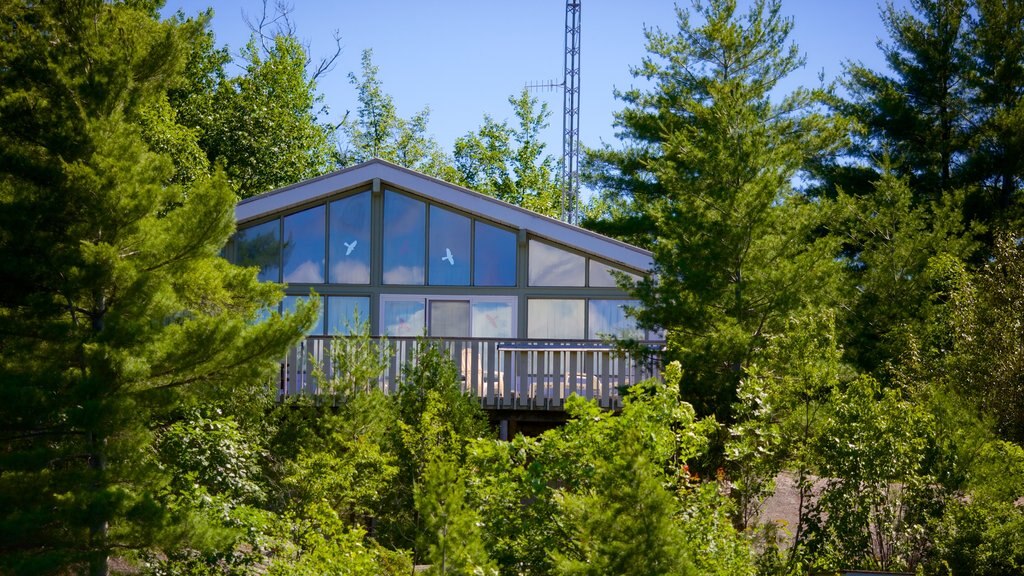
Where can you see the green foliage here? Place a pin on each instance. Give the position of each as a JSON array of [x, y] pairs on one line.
[[265, 128], [509, 163], [888, 243], [779, 413], [433, 419], [871, 452], [706, 179], [120, 308], [377, 131], [987, 356], [212, 452], [626, 523], [947, 115], [451, 528]]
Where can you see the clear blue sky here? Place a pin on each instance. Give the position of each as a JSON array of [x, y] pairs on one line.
[[464, 59]]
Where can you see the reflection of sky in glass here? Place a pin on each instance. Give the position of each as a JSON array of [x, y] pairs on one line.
[[601, 276], [304, 246], [350, 240], [561, 319], [404, 235], [289, 306], [550, 266], [260, 246], [449, 248], [492, 320], [608, 318], [449, 318], [495, 256], [342, 312], [403, 318]]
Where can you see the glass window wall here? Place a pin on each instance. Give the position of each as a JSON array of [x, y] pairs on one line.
[[404, 234], [288, 305], [550, 266], [556, 319], [449, 248], [601, 275], [449, 318], [260, 246], [350, 240], [608, 318], [347, 314], [403, 318], [492, 320], [303, 246], [494, 256]]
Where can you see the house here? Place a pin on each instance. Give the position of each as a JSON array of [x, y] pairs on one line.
[[522, 301]]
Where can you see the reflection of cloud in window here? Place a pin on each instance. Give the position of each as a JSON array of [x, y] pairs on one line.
[[404, 275], [404, 323], [350, 272], [308, 271]]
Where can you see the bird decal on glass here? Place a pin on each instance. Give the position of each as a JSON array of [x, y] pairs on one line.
[[350, 247], [448, 256]]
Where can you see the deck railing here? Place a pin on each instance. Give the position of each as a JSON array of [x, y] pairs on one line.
[[504, 374]]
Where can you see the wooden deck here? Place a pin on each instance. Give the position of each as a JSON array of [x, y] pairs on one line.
[[531, 375]]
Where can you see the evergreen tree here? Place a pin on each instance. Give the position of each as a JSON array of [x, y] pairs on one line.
[[995, 42], [627, 523], [118, 304], [706, 179], [919, 117], [451, 528], [889, 241]]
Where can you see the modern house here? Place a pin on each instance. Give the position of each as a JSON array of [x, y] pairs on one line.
[[523, 302]]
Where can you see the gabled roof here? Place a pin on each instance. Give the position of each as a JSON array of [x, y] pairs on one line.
[[441, 192]]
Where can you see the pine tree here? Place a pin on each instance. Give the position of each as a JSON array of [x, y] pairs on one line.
[[451, 529], [118, 305], [628, 523], [705, 180]]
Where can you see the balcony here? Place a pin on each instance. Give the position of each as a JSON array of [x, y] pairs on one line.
[[505, 374]]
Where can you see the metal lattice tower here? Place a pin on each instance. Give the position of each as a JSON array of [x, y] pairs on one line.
[[571, 115], [570, 85]]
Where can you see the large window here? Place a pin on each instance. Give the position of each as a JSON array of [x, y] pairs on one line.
[[550, 266], [494, 255], [260, 246], [555, 318], [403, 317], [303, 246], [449, 318], [601, 275], [608, 318], [449, 248], [404, 234], [492, 320], [347, 314], [350, 240], [288, 304]]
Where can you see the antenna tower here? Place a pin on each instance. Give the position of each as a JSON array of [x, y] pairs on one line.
[[571, 115], [570, 86]]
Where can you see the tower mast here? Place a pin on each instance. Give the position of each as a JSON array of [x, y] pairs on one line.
[[571, 115]]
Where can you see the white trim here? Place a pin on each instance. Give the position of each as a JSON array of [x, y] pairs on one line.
[[441, 192]]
